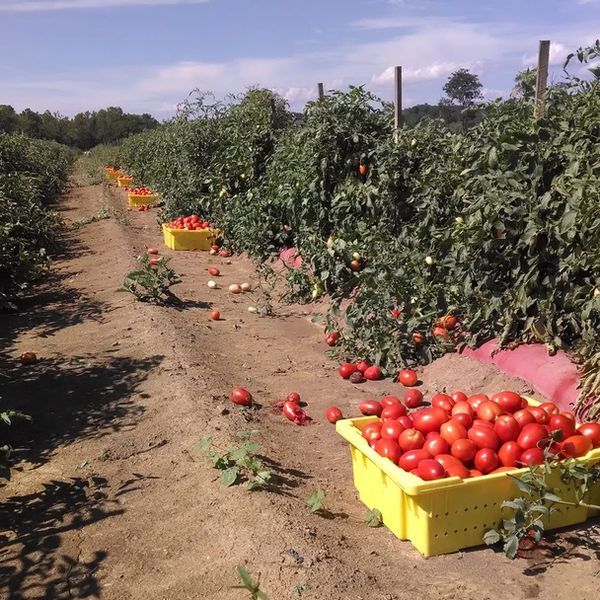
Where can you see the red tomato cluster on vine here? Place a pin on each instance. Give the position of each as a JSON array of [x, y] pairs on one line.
[[470, 436]]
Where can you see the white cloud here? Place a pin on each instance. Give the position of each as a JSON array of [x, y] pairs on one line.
[[54, 5], [425, 73], [558, 54]]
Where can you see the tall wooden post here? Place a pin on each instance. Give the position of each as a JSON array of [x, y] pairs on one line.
[[542, 78], [397, 97], [321, 91]]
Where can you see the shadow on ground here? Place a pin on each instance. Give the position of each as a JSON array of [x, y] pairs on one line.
[[33, 562], [82, 397]]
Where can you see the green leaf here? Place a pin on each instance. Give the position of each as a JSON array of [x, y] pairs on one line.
[[204, 443], [511, 546], [491, 537], [229, 476], [315, 502], [373, 518]]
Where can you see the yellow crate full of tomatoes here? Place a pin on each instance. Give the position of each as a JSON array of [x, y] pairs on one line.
[[137, 196], [112, 173], [124, 180], [448, 501], [189, 233]]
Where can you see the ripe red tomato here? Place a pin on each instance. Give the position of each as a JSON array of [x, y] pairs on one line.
[[372, 431], [372, 373], [539, 414], [430, 469], [331, 339], [463, 449], [429, 419], [405, 421], [502, 470], [563, 424], [476, 399], [550, 408], [413, 398], [391, 401], [480, 423], [333, 414], [442, 401], [293, 397], [215, 315], [524, 417], [417, 338], [484, 437], [395, 312], [346, 369], [450, 322], [462, 406], [592, 432], [507, 428], [410, 460], [576, 445], [510, 454], [393, 412], [388, 449], [152, 250], [411, 439], [214, 271], [532, 456], [570, 416], [447, 460], [362, 366], [391, 430], [241, 396], [294, 413], [436, 444], [452, 430], [488, 411], [458, 397], [531, 435], [507, 401], [370, 408], [408, 378], [440, 333], [475, 473], [486, 460], [154, 261], [465, 419], [458, 471]]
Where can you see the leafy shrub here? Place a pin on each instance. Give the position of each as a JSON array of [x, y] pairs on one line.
[[497, 224], [31, 173]]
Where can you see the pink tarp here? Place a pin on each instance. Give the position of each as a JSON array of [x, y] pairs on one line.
[[291, 258], [555, 377]]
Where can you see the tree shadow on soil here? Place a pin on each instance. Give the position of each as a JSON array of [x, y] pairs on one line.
[[569, 544], [83, 397], [52, 306], [283, 479], [33, 563]]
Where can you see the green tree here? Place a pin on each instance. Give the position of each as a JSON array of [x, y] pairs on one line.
[[462, 88], [525, 84], [8, 118]]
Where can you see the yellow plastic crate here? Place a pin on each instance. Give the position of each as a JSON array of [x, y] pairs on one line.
[[124, 181], [138, 200], [182, 239], [444, 515]]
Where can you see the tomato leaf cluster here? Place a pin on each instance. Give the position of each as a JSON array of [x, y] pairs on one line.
[[151, 282]]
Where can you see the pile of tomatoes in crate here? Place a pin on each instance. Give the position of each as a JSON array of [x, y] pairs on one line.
[[191, 223], [469, 436], [141, 191]]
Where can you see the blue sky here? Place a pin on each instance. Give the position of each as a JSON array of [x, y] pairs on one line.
[[146, 55]]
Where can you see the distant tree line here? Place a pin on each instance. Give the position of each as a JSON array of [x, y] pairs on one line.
[[84, 131]]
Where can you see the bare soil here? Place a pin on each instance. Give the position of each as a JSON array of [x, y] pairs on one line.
[[109, 499]]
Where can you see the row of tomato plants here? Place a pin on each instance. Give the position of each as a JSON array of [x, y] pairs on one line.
[[497, 226]]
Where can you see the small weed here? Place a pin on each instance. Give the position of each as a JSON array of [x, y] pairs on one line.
[[373, 518], [151, 283], [99, 215], [8, 417], [248, 584], [316, 501], [239, 463], [299, 589]]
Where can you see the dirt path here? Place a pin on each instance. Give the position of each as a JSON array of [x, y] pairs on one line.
[[110, 498]]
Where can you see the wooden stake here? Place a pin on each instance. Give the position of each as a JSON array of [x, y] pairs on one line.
[[321, 91], [397, 97], [542, 78]]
